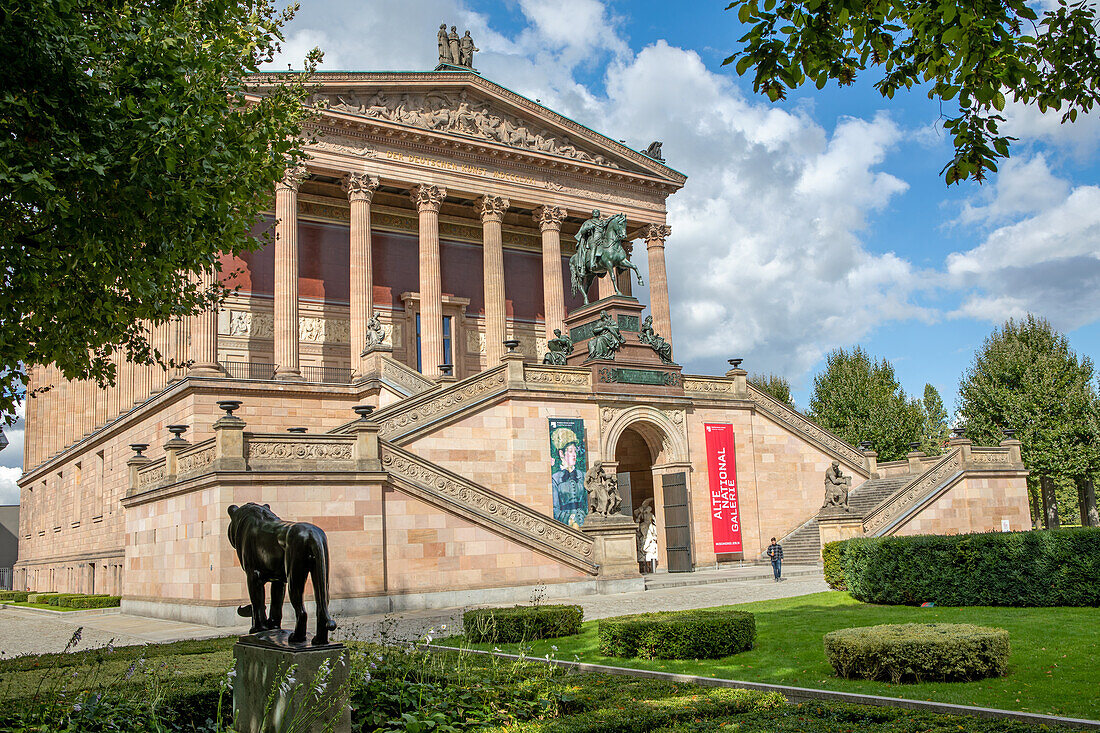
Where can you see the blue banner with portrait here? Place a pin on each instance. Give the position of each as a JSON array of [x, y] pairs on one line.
[[568, 464]]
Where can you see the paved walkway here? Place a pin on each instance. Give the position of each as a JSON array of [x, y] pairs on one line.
[[23, 631]]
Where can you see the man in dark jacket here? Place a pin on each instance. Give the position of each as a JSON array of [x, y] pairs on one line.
[[775, 554]]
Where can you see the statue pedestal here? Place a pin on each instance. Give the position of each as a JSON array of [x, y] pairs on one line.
[[614, 546], [262, 663], [837, 523], [635, 368]]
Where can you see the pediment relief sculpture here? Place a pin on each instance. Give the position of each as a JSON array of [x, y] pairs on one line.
[[457, 113]]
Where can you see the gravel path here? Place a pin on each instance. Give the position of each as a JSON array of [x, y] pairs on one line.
[[26, 632]]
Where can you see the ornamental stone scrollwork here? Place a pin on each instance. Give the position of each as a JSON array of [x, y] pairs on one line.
[[548, 217], [608, 414], [995, 457], [396, 373], [914, 493], [492, 208], [709, 385], [151, 476], [657, 233], [194, 461], [259, 449], [557, 377], [459, 115], [292, 178], [359, 186], [479, 500], [442, 404], [427, 197], [793, 420]]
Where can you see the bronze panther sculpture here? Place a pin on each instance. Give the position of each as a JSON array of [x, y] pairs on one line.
[[283, 554]]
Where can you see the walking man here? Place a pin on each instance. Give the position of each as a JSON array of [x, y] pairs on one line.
[[775, 554]]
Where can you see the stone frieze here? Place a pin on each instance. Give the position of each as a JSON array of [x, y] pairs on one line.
[[279, 450], [442, 404]]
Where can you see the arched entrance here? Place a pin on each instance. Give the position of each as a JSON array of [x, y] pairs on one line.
[[650, 461]]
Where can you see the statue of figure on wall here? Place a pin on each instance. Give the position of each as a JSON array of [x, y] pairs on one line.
[[376, 333], [606, 339], [467, 48], [444, 47], [283, 554], [603, 491], [837, 486], [559, 349], [644, 518], [654, 151], [453, 44], [600, 253], [650, 337]]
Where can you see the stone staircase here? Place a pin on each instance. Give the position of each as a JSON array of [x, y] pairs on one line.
[[803, 545]]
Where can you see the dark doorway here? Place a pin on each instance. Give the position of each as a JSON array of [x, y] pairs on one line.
[[677, 522], [636, 460]]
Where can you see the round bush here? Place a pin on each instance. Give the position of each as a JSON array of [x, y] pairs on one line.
[[918, 652], [521, 623], [678, 635]]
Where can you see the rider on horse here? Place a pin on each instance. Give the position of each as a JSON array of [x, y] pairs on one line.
[[588, 238]]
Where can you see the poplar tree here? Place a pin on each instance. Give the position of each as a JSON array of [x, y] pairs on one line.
[[860, 399], [775, 385], [935, 431], [131, 156]]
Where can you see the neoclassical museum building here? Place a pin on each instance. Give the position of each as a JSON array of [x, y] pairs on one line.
[[389, 370]]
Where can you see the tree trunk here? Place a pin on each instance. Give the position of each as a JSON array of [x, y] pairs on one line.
[[1050, 503], [1036, 510], [1087, 491]]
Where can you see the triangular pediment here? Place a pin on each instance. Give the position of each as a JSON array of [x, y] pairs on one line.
[[466, 106]]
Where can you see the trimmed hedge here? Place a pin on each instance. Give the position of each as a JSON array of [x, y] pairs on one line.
[[15, 596], [918, 652], [39, 597], [96, 601], [831, 557], [1037, 568], [521, 623], [701, 634]]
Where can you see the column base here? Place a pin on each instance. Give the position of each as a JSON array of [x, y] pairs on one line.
[[289, 375], [206, 370]]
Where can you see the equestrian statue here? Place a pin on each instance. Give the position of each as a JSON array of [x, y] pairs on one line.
[[600, 253]]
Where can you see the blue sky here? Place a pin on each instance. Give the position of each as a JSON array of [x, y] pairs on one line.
[[817, 223]]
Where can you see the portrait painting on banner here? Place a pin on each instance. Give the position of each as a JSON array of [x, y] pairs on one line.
[[568, 464]]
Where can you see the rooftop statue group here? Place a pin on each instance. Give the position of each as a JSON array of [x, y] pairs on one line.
[[454, 50]]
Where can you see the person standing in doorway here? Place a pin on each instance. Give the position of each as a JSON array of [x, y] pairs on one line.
[[775, 554]]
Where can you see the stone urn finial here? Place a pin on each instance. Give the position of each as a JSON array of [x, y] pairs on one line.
[[177, 431], [446, 369], [1009, 433], [296, 431], [230, 406], [138, 449], [363, 411], [735, 363], [511, 345]]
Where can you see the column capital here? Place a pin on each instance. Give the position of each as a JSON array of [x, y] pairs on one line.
[[428, 197], [492, 207], [549, 217], [359, 186], [292, 178], [657, 232]]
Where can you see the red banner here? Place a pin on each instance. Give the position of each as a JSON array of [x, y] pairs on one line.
[[725, 515]]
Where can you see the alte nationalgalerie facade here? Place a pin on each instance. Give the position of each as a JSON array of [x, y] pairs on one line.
[[448, 206]]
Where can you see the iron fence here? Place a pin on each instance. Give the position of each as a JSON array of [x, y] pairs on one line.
[[249, 369], [261, 370]]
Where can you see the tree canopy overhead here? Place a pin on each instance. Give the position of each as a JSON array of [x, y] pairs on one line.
[[975, 56], [130, 158]]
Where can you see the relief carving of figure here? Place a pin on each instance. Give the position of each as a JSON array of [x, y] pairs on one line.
[[650, 337], [600, 253], [558, 349], [837, 486], [466, 49], [606, 339]]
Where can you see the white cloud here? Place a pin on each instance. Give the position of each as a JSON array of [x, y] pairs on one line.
[[1047, 262], [766, 259], [9, 490], [1023, 186], [1028, 124]]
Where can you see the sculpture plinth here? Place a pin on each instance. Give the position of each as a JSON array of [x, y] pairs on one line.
[[614, 546], [606, 337]]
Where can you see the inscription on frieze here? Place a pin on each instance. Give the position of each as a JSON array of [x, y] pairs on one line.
[[610, 375]]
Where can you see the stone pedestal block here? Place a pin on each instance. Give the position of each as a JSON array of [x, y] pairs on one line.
[[307, 685], [837, 524], [615, 546]]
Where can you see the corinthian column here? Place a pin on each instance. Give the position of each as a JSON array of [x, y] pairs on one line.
[[428, 199], [549, 219], [286, 274], [204, 335], [655, 237], [492, 210], [360, 188]]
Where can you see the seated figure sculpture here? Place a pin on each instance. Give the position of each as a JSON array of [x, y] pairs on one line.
[[558, 349], [283, 554], [606, 339], [837, 486], [651, 338], [604, 499]]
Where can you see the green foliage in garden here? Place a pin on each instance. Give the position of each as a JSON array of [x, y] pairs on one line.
[[981, 54], [918, 652], [40, 597], [130, 158], [1040, 568], [521, 623], [834, 565], [705, 634], [13, 595], [775, 385], [1026, 377], [95, 602], [935, 430], [860, 399]]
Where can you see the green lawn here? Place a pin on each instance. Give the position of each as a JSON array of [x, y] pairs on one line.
[[48, 607], [1053, 668]]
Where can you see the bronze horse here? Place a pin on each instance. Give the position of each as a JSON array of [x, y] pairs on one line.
[[283, 554], [611, 259]]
